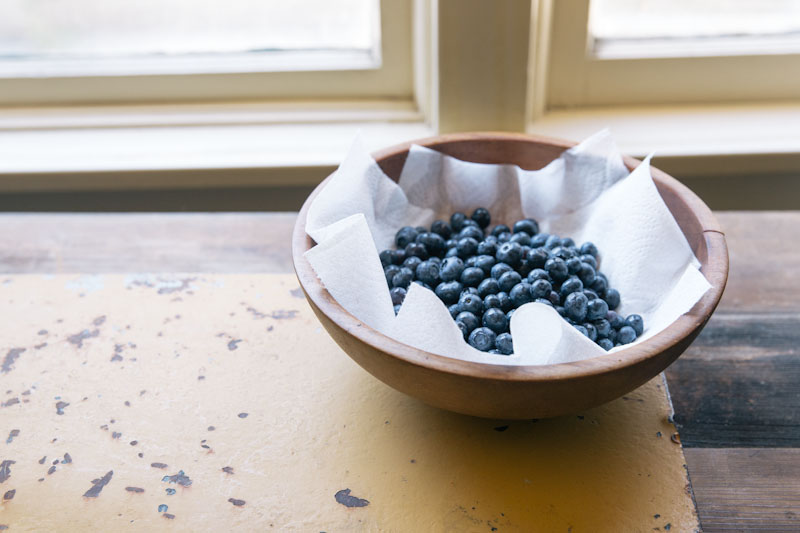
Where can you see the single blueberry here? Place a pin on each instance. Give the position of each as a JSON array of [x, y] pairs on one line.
[[554, 298], [505, 302], [552, 242], [510, 253], [454, 310], [567, 243], [469, 222], [589, 260], [581, 329], [487, 247], [451, 268], [416, 249], [463, 328], [626, 335], [412, 262], [500, 228], [612, 298], [557, 269], [528, 225], [591, 331], [440, 227], [466, 247], [541, 289], [449, 291], [470, 290], [398, 294], [537, 257], [590, 294], [405, 236], [450, 243], [589, 249], [539, 240], [563, 252], [587, 274], [488, 286], [396, 309], [482, 217], [386, 257], [398, 256], [603, 326], [471, 303], [472, 276], [491, 300], [596, 309], [636, 322], [421, 229], [612, 335], [499, 269], [560, 310], [451, 252], [605, 344], [522, 238], [389, 272], [469, 320], [482, 339], [471, 260], [570, 285], [485, 263], [615, 320], [471, 232], [495, 320], [520, 294], [600, 286], [508, 280], [428, 272], [433, 242], [575, 306], [573, 265], [457, 221], [538, 273], [505, 344], [503, 237], [437, 260], [509, 314], [403, 278]]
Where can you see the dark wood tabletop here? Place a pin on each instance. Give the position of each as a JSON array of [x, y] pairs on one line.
[[736, 390]]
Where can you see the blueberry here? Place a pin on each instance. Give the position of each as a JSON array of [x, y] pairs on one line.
[[537, 257], [544, 301], [469, 320], [396, 309], [554, 298], [520, 294], [573, 265], [552, 242], [582, 329], [589, 260], [591, 331], [612, 335], [389, 272], [522, 238], [570, 285], [539, 240], [494, 351], [605, 344], [472, 232], [499, 269], [567, 243], [433, 243], [503, 237], [421, 229], [457, 221], [612, 298], [509, 314], [589, 248], [603, 326], [440, 227], [466, 247], [491, 300], [416, 249], [495, 320], [510, 253], [450, 243], [560, 310], [488, 286], [508, 280], [451, 268], [538, 273], [504, 343], [528, 225], [403, 278], [590, 294], [472, 276], [505, 302], [587, 274], [454, 310], [487, 247], [485, 263], [437, 260], [482, 217], [398, 256], [463, 328], [600, 286], [563, 252], [386, 257], [449, 291], [626, 335], [500, 228], [471, 303], [428, 272], [596, 309], [636, 322], [471, 260], [451, 252], [557, 269], [398, 294], [422, 284], [482, 339], [575, 306], [470, 290], [469, 222], [412, 262], [615, 320], [405, 236], [541, 289]]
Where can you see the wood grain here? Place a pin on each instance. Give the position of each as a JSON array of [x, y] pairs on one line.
[[746, 489]]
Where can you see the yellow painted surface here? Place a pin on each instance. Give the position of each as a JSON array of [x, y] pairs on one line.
[[148, 364]]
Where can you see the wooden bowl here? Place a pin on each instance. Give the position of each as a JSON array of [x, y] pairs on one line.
[[516, 392]]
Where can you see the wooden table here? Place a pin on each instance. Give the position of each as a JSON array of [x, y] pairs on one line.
[[736, 391]]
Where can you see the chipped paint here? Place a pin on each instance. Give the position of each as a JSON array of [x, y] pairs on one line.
[[10, 358], [343, 496], [5, 469], [98, 484]]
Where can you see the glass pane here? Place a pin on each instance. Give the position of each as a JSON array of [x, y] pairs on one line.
[[102, 29]]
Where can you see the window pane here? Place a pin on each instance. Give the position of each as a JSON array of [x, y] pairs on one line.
[[694, 27], [70, 30]]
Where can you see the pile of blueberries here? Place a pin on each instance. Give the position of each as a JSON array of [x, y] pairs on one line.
[[484, 278]]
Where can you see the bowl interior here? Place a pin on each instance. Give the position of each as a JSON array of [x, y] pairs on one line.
[[532, 152]]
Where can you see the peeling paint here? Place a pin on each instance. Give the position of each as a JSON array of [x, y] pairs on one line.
[[98, 484], [344, 497], [11, 356]]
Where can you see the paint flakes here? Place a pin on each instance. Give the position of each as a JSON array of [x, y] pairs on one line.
[[42, 332], [158, 465], [227, 469], [168, 516], [99, 320], [163, 508], [180, 478], [242, 415], [284, 314], [51, 470], [5, 469], [9, 495], [211, 428], [343, 496], [137, 490], [256, 313], [237, 503], [98, 484], [115, 434], [170, 492], [232, 344], [10, 402], [42, 460], [297, 293], [67, 459], [8, 361], [78, 338], [60, 405]]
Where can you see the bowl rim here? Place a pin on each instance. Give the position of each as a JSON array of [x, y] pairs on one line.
[[715, 269]]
